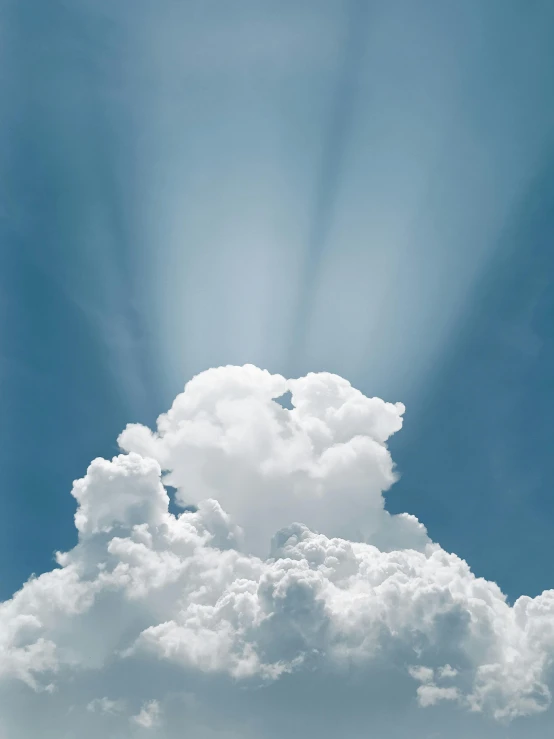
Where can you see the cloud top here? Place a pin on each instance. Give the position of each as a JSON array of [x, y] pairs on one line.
[[324, 463]]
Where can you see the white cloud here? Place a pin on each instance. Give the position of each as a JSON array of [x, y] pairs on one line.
[[289, 570], [446, 672], [325, 463], [149, 715], [422, 674], [428, 695]]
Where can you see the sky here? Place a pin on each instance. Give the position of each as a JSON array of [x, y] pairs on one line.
[[353, 187]]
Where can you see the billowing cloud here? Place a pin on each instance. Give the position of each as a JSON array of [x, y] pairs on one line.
[[284, 570], [325, 463]]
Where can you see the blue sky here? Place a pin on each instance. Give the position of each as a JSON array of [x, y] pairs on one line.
[[364, 188]]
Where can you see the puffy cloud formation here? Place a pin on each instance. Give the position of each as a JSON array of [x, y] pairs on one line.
[[283, 576], [325, 463]]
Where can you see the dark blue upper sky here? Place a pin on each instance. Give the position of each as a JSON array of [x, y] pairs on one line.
[[155, 171]]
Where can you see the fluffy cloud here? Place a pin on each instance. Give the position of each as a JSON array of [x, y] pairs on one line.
[[284, 567], [325, 463]]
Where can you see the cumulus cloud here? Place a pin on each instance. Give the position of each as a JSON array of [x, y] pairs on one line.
[[284, 572], [325, 463]]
